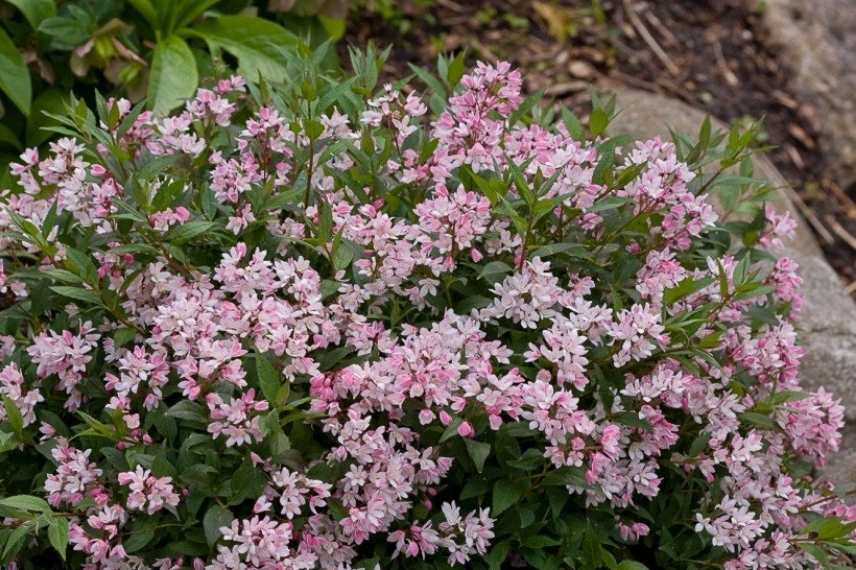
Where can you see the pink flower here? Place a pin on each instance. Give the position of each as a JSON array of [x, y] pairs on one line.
[[148, 493]]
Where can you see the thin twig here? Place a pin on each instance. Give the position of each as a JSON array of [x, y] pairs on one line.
[[454, 6], [729, 76], [664, 31], [810, 216], [850, 289], [839, 230], [842, 196], [649, 39]]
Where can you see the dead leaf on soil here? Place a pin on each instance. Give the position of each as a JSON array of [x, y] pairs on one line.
[[559, 20]]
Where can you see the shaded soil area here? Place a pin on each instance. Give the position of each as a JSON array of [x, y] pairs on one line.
[[712, 54]]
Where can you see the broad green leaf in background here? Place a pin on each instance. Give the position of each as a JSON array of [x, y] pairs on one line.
[[148, 12], [68, 32], [35, 10], [631, 565], [257, 44], [8, 138], [168, 16], [335, 27], [50, 101], [14, 75], [173, 77], [188, 10]]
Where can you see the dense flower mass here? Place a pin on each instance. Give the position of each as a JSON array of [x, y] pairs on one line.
[[289, 328]]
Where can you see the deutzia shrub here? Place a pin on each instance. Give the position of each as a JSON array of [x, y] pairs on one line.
[[324, 325]]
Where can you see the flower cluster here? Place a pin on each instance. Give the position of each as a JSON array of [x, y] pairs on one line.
[[297, 330]]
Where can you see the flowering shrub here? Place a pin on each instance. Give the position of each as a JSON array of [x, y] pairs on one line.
[[320, 326]]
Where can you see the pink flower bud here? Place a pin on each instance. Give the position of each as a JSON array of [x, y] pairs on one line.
[[466, 429]]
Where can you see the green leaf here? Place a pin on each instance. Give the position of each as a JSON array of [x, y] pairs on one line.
[[598, 121], [189, 11], [565, 476], [9, 138], [699, 444], [35, 10], [63, 275], [631, 565], [136, 249], [81, 265], [474, 488], [26, 503], [14, 75], [335, 27], [258, 44], [78, 294], [759, 420], [494, 271], [58, 535], [505, 494], [139, 538], [15, 541], [456, 69], [187, 410], [572, 123], [124, 335], [451, 430], [215, 518], [684, 288], [609, 203], [68, 32], [186, 232], [247, 482], [173, 77], [13, 415], [270, 380], [478, 452], [815, 551], [438, 92], [148, 11], [497, 555], [8, 441], [571, 249], [540, 541], [829, 528]]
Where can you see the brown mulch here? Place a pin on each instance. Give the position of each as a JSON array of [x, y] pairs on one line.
[[709, 53]]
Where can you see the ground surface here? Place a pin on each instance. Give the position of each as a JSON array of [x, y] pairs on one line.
[[713, 54]]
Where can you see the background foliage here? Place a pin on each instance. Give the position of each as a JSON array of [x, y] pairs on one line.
[[140, 48]]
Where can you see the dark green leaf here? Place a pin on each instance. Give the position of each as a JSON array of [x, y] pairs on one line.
[[14, 74], [478, 452], [631, 565], [13, 416], [216, 518], [270, 380], [257, 43], [505, 494], [35, 10], [78, 294]]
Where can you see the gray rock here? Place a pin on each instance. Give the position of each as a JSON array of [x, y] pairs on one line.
[[827, 323], [818, 39]]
